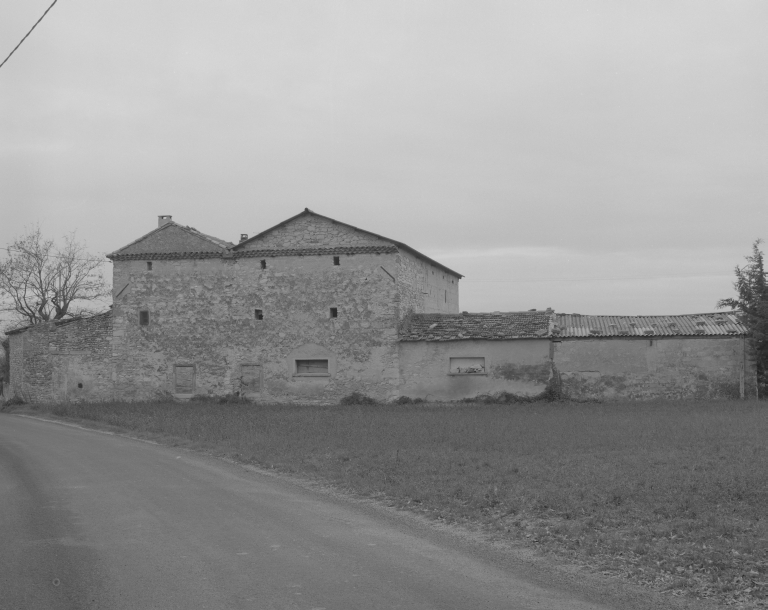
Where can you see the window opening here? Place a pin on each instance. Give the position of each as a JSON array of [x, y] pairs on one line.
[[149, 265], [334, 312], [184, 379], [336, 260], [263, 264], [80, 386], [143, 318], [311, 368], [258, 314], [467, 366]]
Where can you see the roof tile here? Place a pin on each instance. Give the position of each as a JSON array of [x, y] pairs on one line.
[[492, 326]]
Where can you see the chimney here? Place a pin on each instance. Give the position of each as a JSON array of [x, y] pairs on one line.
[[243, 237], [163, 220]]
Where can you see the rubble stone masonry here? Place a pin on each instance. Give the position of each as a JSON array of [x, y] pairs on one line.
[[202, 314], [67, 360]]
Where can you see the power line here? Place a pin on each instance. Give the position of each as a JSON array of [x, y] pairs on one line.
[[597, 279], [28, 33]]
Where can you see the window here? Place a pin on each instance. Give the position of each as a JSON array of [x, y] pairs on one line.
[[263, 264], [334, 312], [258, 314], [144, 318], [184, 379], [336, 260], [312, 368], [250, 378], [149, 265], [467, 366]]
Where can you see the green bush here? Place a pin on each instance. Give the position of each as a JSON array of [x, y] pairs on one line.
[[358, 398]]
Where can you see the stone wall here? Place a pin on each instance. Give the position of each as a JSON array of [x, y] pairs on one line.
[[63, 361], [519, 366], [425, 288], [202, 315], [311, 231], [644, 368]]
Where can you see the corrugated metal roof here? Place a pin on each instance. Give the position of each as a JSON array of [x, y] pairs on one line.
[[576, 325], [494, 326]]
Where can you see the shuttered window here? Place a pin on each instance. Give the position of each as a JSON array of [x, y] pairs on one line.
[[184, 379], [312, 367], [250, 378]]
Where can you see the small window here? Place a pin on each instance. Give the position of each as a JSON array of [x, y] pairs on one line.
[[467, 366], [263, 264], [336, 260], [144, 318], [184, 379], [149, 265], [258, 314], [334, 312], [311, 368]]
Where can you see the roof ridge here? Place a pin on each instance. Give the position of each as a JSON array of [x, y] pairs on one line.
[[191, 230], [308, 212]]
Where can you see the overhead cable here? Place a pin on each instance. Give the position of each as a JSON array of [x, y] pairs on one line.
[[28, 33]]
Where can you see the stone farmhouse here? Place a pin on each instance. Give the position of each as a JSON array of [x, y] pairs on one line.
[[314, 309]]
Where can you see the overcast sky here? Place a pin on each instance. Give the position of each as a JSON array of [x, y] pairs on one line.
[[594, 157]]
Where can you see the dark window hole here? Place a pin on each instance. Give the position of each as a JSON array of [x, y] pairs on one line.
[[259, 314], [334, 312]]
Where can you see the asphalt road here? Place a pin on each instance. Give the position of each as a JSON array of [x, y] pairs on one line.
[[91, 520]]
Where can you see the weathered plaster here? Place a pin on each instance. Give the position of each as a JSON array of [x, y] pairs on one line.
[[668, 367], [520, 366]]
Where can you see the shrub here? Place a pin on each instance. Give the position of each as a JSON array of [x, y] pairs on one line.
[[13, 401], [357, 398]]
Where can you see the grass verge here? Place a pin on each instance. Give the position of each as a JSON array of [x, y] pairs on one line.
[[673, 495]]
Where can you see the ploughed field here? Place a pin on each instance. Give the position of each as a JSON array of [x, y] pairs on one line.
[[673, 495]]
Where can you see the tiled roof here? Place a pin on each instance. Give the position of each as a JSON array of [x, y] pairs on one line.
[[62, 322], [383, 249], [213, 241], [219, 242], [272, 252], [576, 325], [159, 256], [497, 325]]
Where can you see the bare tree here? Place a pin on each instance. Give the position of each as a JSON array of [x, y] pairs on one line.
[[40, 281]]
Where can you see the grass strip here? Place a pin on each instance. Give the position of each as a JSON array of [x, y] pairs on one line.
[[673, 495]]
